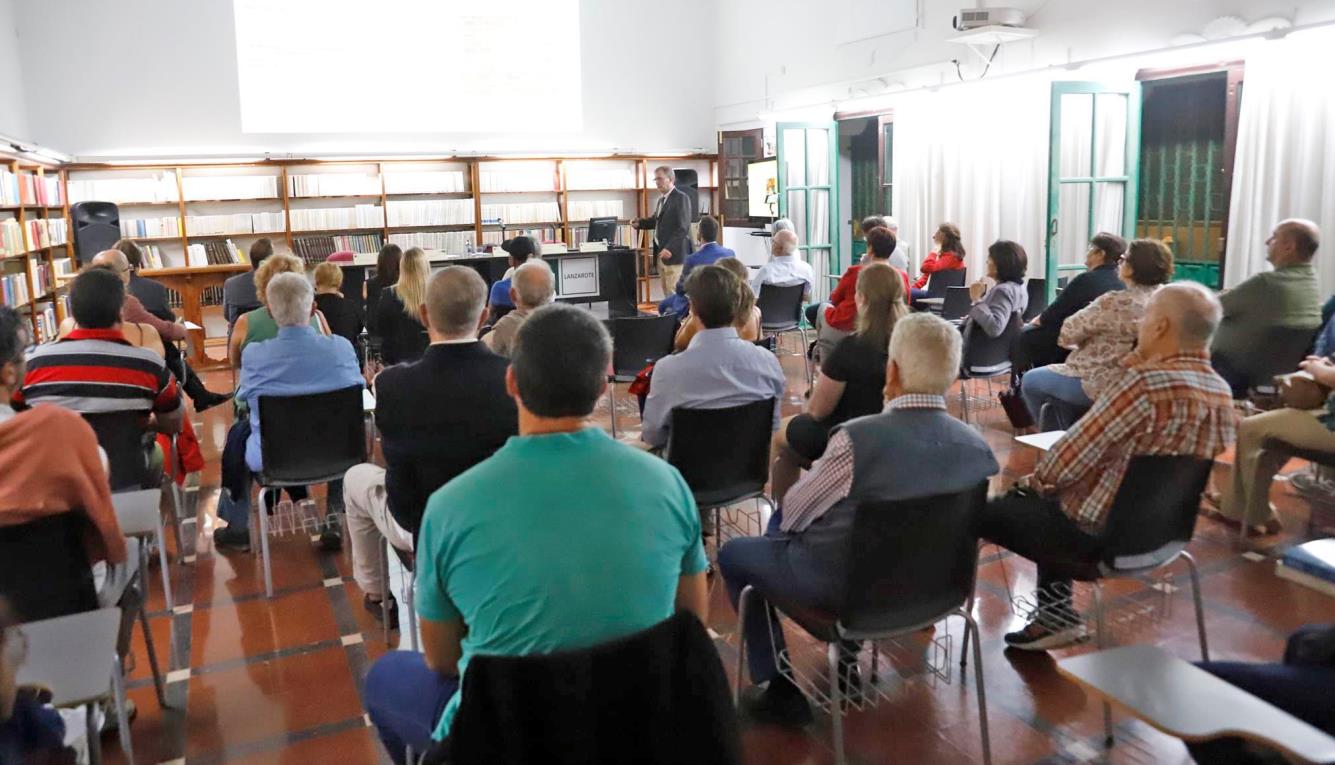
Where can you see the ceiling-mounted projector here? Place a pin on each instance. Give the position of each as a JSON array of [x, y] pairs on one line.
[[974, 18]]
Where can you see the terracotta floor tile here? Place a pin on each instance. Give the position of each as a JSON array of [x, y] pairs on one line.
[[256, 627]]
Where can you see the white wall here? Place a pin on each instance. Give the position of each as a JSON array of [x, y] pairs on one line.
[[797, 57], [135, 78], [13, 105]]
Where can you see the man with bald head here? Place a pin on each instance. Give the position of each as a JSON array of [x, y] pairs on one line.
[[1169, 402], [1287, 297], [437, 416], [786, 267], [532, 287]]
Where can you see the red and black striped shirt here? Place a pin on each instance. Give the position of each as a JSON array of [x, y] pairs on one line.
[[96, 370]]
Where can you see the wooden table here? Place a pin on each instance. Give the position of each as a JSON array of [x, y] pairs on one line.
[[1189, 703], [190, 283]]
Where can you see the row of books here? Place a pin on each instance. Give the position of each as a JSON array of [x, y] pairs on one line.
[[152, 256], [48, 329], [453, 242], [314, 250], [580, 234], [14, 289], [212, 253], [426, 182], [434, 212], [141, 227], [596, 208], [29, 189], [45, 232], [541, 233], [522, 212], [207, 296], [587, 176], [205, 187], [359, 216], [160, 187], [41, 277], [11, 237], [358, 243], [235, 223], [333, 185], [537, 177]]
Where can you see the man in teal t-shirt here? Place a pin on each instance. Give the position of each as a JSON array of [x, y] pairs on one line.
[[563, 539]]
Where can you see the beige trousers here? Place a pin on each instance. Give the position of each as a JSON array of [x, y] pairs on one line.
[[1248, 495], [369, 522], [669, 275]]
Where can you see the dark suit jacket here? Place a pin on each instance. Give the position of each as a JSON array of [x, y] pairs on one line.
[[1079, 293], [153, 295], [438, 417], [672, 227]]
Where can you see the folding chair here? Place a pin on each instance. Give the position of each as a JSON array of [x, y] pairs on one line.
[[781, 313], [637, 341], [985, 357]]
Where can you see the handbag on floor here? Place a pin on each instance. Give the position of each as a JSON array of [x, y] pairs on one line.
[[1014, 406]]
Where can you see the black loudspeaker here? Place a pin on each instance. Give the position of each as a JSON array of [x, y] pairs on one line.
[[97, 227], [689, 182]]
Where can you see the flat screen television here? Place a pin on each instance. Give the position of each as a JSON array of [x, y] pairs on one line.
[[762, 188]]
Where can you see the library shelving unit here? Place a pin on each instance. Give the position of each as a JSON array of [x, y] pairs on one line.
[[441, 203], [35, 248]]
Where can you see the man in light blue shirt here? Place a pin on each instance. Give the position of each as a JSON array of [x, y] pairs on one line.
[[298, 361], [786, 268], [718, 369]]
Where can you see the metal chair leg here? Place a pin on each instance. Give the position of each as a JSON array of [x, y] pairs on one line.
[[384, 587], [93, 734], [158, 685], [612, 405], [811, 380], [122, 712], [264, 544], [875, 661], [1200, 610], [1102, 643], [972, 626], [836, 704], [964, 400], [410, 597], [964, 650], [742, 601], [162, 562]]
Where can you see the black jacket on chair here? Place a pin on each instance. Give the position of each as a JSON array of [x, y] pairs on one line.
[[657, 696], [439, 416], [672, 226]]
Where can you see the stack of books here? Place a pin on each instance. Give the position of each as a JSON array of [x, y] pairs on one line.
[[523, 212], [436, 212], [152, 256], [41, 277], [158, 188], [452, 242], [209, 187], [142, 227], [1311, 565], [236, 223], [600, 176], [313, 249], [434, 182], [48, 191], [48, 328], [333, 185], [519, 176], [14, 289], [358, 243], [45, 232], [596, 208], [11, 237], [338, 218]]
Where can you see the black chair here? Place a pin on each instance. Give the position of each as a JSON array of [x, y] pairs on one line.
[[637, 341], [956, 305], [122, 436], [658, 696], [1038, 297], [939, 282], [911, 564], [307, 439], [781, 313], [723, 475], [985, 357], [1280, 350]]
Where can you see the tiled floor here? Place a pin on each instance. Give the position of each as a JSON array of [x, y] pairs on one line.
[[255, 680]]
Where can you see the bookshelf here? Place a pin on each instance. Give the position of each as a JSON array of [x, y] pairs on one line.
[[35, 246], [441, 203]]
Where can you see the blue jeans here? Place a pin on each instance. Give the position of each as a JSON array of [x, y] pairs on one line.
[[405, 700], [237, 513], [1066, 397]]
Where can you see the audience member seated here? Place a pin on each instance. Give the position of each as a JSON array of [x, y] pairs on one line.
[[51, 457], [562, 540], [709, 253], [1099, 336], [1038, 344], [718, 369], [913, 449], [851, 382], [386, 274], [521, 250], [839, 316], [900, 258], [1169, 402], [1288, 297], [993, 306], [299, 360], [154, 295], [259, 325], [241, 293], [532, 287], [949, 256], [344, 319], [1247, 498], [748, 313], [95, 370], [437, 417], [403, 335], [786, 267]]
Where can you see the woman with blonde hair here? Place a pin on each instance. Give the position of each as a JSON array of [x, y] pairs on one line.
[[399, 315], [345, 319], [851, 381], [257, 325]]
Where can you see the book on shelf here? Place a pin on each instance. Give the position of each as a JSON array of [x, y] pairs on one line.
[[235, 223], [333, 185], [364, 243], [45, 232], [1311, 564], [452, 242], [65, 268], [580, 176], [625, 235], [160, 187], [11, 237], [41, 277], [206, 187], [152, 256], [434, 212], [522, 212], [425, 182], [326, 218], [14, 289], [28, 188], [142, 227], [48, 329], [541, 233], [583, 209], [313, 250], [517, 177]]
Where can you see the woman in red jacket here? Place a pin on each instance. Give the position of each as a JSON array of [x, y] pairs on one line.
[[949, 256], [841, 313]]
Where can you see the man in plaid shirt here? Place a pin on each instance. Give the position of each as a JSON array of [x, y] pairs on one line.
[[1169, 402]]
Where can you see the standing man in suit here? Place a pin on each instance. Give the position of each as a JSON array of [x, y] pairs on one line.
[[671, 224]]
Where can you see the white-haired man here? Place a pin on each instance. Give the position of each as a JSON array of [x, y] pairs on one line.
[[299, 361], [912, 449], [532, 287], [786, 267], [1168, 402], [900, 259]]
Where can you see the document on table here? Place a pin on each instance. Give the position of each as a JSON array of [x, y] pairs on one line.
[[1042, 441]]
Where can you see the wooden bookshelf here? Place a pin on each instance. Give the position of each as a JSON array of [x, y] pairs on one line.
[[28, 256]]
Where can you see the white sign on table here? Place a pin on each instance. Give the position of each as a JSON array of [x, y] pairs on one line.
[[578, 277]]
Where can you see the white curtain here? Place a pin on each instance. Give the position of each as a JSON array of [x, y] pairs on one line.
[[976, 156], [1285, 161]]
